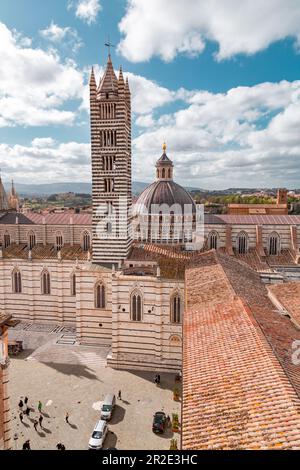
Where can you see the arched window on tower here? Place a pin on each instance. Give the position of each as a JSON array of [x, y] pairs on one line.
[[213, 240], [45, 283], [31, 240], [136, 306], [99, 295], [176, 308], [16, 281], [73, 284], [163, 173], [274, 244], [6, 240], [242, 243], [86, 241]]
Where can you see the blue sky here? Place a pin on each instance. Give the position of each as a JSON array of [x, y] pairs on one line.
[[219, 81]]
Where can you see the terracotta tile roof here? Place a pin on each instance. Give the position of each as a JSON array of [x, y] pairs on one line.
[[279, 330], [235, 393], [253, 259], [21, 251], [60, 219], [219, 341], [285, 258], [252, 219], [288, 297], [171, 261]]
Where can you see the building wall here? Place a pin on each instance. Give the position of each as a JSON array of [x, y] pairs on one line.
[[153, 343], [31, 305], [93, 325], [5, 442], [45, 234]]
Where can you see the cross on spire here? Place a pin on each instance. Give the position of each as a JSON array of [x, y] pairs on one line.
[[108, 44]]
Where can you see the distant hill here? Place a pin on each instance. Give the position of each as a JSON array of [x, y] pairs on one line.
[[40, 190]]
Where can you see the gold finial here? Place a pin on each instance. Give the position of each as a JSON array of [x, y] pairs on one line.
[[164, 146]]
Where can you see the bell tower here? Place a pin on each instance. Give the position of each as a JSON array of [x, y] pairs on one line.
[[110, 105]]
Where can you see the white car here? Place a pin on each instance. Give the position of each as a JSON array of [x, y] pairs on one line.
[[98, 436], [108, 406]]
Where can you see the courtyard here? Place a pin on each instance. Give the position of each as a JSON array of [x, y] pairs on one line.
[[74, 379]]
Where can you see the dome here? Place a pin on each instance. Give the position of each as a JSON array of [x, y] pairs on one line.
[[163, 192]]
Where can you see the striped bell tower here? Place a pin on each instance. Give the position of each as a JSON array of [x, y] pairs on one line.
[[110, 105]]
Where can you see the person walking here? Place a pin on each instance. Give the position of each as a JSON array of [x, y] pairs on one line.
[[58, 446], [62, 447], [26, 400], [21, 416], [158, 379], [40, 406], [67, 417], [27, 411], [120, 395], [41, 420], [21, 404], [35, 424], [26, 445]]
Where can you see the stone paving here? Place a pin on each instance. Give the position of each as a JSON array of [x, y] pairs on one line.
[[75, 379]]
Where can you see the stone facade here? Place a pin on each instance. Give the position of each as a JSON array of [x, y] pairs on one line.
[[111, 165], [5, 438]]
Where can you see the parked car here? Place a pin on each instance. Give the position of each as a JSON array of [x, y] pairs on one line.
[[159, 422], [98, 435], [108, 406]]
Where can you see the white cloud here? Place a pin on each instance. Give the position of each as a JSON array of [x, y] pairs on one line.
[[45, 163], [86, 10], [41, 142], [167, 27], [66, 37], [246, 136], [34, 84]]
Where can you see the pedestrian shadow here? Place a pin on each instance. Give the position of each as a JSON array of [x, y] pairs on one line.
[[45, 414], [41, 434], [26, 424], [125, 402], [47, 431], [73, 426], [118, 415]]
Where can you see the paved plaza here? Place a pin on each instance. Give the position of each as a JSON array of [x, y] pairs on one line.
[[69, 378]]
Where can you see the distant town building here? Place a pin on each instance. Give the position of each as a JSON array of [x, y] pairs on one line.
[[278, 208]]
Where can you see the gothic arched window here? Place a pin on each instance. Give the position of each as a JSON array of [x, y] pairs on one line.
[[213, 240], [176, 308], [31, 240], [59, 241], [16, 281], [136, 305], [100, 295], [86, 241], [163, 173], [242, 243], [274, 244], [45, 283]]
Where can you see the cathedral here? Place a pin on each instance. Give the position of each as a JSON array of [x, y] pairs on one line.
[[118, 275]]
